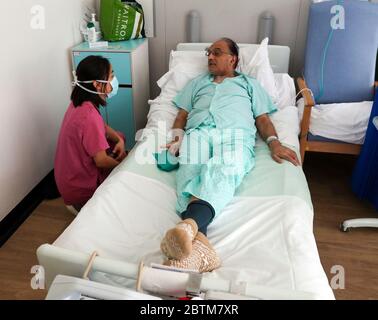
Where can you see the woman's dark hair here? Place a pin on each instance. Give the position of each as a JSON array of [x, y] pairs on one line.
[[233, 47], [90, 68]]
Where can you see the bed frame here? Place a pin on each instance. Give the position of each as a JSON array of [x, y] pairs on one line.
[[157, 280], [60, 261]]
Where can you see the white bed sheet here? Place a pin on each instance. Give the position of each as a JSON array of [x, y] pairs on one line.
[[263, 240], [339, 121]]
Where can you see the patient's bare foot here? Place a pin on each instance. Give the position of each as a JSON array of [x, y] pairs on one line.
[[177, 243], [202, 259]]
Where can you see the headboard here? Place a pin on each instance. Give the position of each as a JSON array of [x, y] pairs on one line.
[[279, 56]]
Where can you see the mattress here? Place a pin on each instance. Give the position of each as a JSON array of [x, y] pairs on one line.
[[345, 122], [264, 236]]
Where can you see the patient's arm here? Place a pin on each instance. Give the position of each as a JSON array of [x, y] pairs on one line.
[[181, 119], [278, 151], [178, 131]]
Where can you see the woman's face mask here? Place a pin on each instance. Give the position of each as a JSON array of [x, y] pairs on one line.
[[114, 83]]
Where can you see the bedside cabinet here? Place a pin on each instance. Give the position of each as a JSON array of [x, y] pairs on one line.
[[127, 111]]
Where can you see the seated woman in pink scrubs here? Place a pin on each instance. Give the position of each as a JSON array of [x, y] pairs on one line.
[[87, 149]]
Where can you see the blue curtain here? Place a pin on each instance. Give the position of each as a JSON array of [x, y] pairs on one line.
[[365, 174]]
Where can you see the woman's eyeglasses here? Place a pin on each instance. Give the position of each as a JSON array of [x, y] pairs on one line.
[[216, 52]]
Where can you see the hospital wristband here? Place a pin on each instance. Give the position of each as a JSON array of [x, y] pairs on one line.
[[270, 139]]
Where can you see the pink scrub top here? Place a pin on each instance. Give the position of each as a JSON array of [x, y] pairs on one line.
[[81, 137]]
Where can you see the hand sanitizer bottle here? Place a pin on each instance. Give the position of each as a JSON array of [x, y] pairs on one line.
[[96, 23], [91, 32]]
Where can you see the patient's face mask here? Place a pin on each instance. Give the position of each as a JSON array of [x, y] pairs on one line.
[[114, 83]]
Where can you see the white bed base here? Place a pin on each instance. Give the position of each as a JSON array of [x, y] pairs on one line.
[[60, 261]]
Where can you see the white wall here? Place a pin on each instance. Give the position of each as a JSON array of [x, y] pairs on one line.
[[35, 86]]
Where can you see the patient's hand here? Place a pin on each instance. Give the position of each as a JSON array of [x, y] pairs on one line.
[[280, 152], [177, 137], [174, 147]]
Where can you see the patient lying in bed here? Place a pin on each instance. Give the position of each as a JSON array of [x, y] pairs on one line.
[[221, 112]]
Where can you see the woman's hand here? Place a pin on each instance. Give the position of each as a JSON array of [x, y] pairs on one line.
[[122, 156], [279, 152], [119, 150]]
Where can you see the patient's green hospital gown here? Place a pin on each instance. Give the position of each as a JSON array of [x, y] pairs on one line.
[[218, 147]]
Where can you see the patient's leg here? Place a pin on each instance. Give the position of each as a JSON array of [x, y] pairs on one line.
[[195, 152], [214, 185], [222, 174], [201, 212], [215, 179]]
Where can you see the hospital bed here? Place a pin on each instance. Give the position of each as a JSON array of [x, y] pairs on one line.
[[264, 237]]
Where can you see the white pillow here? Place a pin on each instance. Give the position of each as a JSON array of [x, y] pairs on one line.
[[162, 109], [175, 80], [258, 66], [189, 58]]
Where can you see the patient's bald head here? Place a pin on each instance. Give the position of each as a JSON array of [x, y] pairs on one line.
[[223, 57]]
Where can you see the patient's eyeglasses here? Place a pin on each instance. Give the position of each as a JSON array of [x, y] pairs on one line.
[[216, 52]]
